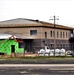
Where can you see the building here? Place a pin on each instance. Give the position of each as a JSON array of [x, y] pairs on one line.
[[35, 35]]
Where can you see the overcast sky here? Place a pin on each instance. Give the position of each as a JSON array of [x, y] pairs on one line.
[[38, 9]]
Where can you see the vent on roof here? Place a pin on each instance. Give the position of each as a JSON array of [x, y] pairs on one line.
[[37, 20]]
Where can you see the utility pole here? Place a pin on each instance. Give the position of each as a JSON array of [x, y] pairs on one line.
[[54, 18]]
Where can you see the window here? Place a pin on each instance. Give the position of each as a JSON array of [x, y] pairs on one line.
[[51, 45], [21, 45], [45, 35], [50, 33], [57, 34], [61, 45], [60, 34], [53, 33], [57, 45], [63, 34], [66, 34], [33, 32]]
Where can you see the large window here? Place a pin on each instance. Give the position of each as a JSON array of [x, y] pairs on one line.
[[33, 32]]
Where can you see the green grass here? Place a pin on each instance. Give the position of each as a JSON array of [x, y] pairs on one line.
[[38, 57], [37, 60]]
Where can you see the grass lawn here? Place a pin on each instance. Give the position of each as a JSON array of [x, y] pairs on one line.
[[37, 60]]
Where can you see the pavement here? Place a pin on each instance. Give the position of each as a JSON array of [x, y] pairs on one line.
[[42, 66], [37, 69], [37, 65]]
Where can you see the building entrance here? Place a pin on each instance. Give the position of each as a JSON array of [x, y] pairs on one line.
[[27, 44], [12, 48]]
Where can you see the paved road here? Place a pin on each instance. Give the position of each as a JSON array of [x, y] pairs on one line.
[[38, 69]]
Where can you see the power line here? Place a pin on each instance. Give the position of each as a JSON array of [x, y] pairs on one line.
[[54, 19]]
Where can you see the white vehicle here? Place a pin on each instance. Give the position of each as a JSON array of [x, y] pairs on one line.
[[47, 52], [52, 52], [69, 53], [57, 52], [41, 52], [62, 52]]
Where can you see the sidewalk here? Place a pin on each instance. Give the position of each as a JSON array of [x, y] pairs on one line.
[[69, 67], [36, 65]]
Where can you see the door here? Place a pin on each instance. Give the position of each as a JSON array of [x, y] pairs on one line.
[[12, 48]]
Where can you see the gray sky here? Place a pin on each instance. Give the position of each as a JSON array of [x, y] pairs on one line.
[[38, 9]]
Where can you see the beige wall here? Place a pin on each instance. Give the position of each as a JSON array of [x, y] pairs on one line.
[[59, 30], [25, 32]]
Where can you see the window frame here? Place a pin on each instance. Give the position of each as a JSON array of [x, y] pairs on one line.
[[33, 32]]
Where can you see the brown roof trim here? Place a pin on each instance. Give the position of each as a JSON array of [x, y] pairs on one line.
[[37, 26], [56, 26]]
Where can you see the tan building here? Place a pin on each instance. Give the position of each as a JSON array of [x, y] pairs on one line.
[[37, 34]]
